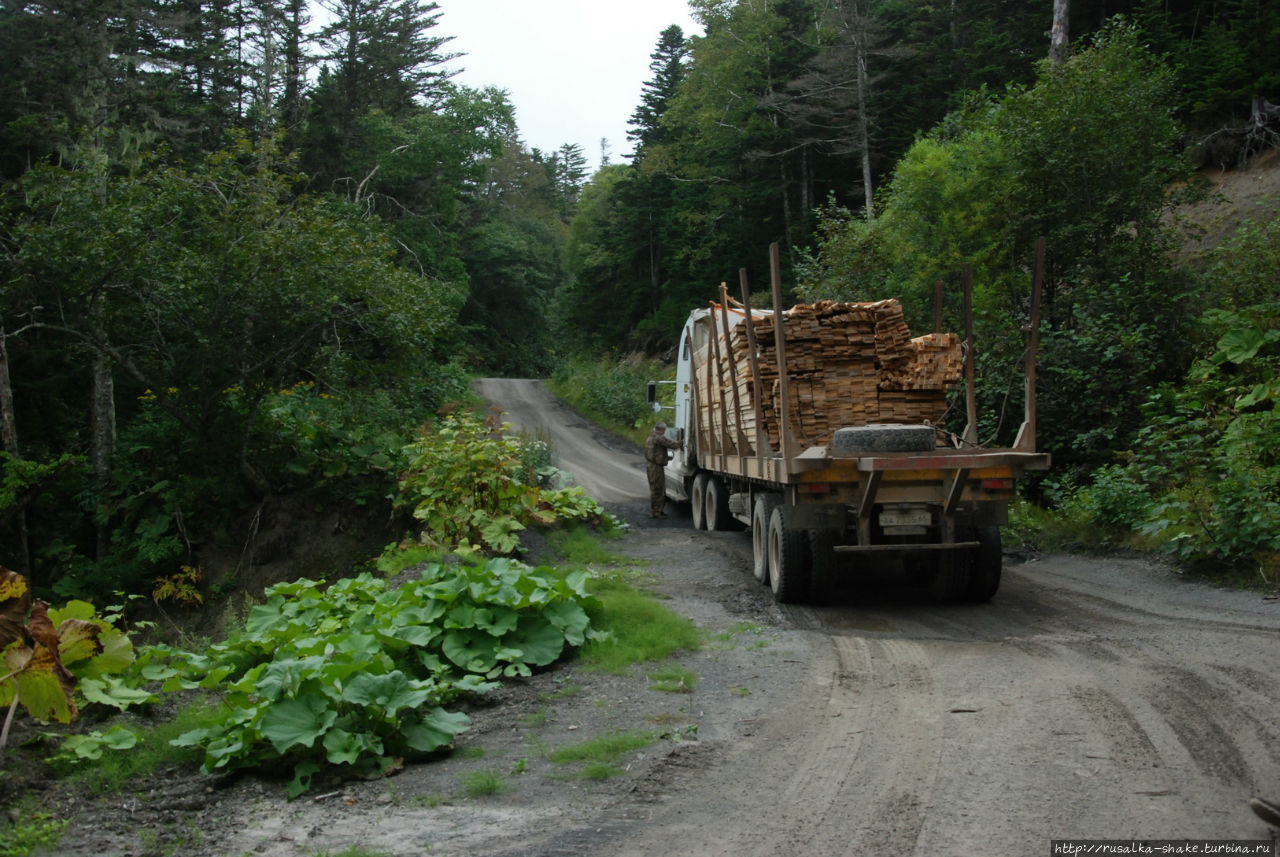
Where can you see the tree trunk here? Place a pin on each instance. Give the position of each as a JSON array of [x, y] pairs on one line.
[[855, 27], [9, 440], [102, 421], [294, 71], [1059, 35], [655, 286], [864, 132], [8, 427]]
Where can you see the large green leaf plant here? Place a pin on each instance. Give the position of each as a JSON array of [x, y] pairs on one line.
[[358, 674]]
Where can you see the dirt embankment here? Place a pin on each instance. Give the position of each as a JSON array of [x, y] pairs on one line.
[[1230, 198]]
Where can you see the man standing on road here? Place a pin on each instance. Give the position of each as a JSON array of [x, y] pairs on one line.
[[656, 455]]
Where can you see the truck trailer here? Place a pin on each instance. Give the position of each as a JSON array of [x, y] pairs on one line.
[[819, 429]]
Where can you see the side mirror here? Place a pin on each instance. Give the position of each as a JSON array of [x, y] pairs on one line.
[[653, 393]]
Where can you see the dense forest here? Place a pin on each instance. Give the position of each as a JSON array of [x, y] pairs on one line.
[[245, 253]]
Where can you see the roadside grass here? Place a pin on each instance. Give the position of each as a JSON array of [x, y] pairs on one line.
[[1037, 529], [599, 757], [673, 679], [747, 635], [599, 771], [479, 784], [641, 629], [579, 545], [428, 800], [174, 843], [30, 831], [536, 719], [115, 770], [605, 748], [565, 691]]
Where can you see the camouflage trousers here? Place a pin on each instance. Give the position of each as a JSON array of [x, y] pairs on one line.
[[657, 488]]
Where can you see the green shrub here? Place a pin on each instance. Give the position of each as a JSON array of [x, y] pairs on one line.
[[1114, 500], [472, 487]]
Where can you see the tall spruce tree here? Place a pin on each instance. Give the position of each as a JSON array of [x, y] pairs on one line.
[[646, 191], [384, 56], [569, 173], [667, 64], [379, 57]]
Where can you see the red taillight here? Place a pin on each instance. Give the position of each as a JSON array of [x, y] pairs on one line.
[[815, 488], [997, 484]]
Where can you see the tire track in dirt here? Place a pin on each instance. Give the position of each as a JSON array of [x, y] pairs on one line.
[[823, 775], [891, 791]]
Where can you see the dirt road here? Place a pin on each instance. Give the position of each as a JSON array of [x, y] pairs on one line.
[[607, 469], [1096, 699], [1092, 699]]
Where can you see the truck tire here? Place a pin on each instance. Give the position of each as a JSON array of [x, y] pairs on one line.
[[698, 501], [788, 559], [716, 505], [884, 438], [822, 569], [761, 512], [986, 563], [951, 577]]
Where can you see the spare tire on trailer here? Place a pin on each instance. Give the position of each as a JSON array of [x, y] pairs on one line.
[[883, 437]]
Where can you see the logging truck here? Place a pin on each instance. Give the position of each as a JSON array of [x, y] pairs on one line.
[[819, 428]]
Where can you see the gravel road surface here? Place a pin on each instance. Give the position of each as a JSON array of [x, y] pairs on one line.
[[1094, 699]]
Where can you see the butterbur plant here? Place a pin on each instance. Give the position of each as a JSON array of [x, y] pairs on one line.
[[358, 675], [54, 660]]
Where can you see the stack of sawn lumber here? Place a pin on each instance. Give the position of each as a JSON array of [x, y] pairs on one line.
[[849, 364]]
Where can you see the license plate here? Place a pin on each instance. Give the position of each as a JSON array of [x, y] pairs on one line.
[[911, 518]]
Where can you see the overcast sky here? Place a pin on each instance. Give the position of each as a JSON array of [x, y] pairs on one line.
[[574, 69]]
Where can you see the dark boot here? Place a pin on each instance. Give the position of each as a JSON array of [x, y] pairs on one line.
[[1266, 810]]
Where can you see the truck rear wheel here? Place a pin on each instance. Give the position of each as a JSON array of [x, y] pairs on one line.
[[884, 438], [986, 563], [761, 512], [822, 550], [716, 505], [951, 577], [698, 501], [788, 559]]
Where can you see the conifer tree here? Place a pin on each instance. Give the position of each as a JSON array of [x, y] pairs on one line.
[[668, 67]]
